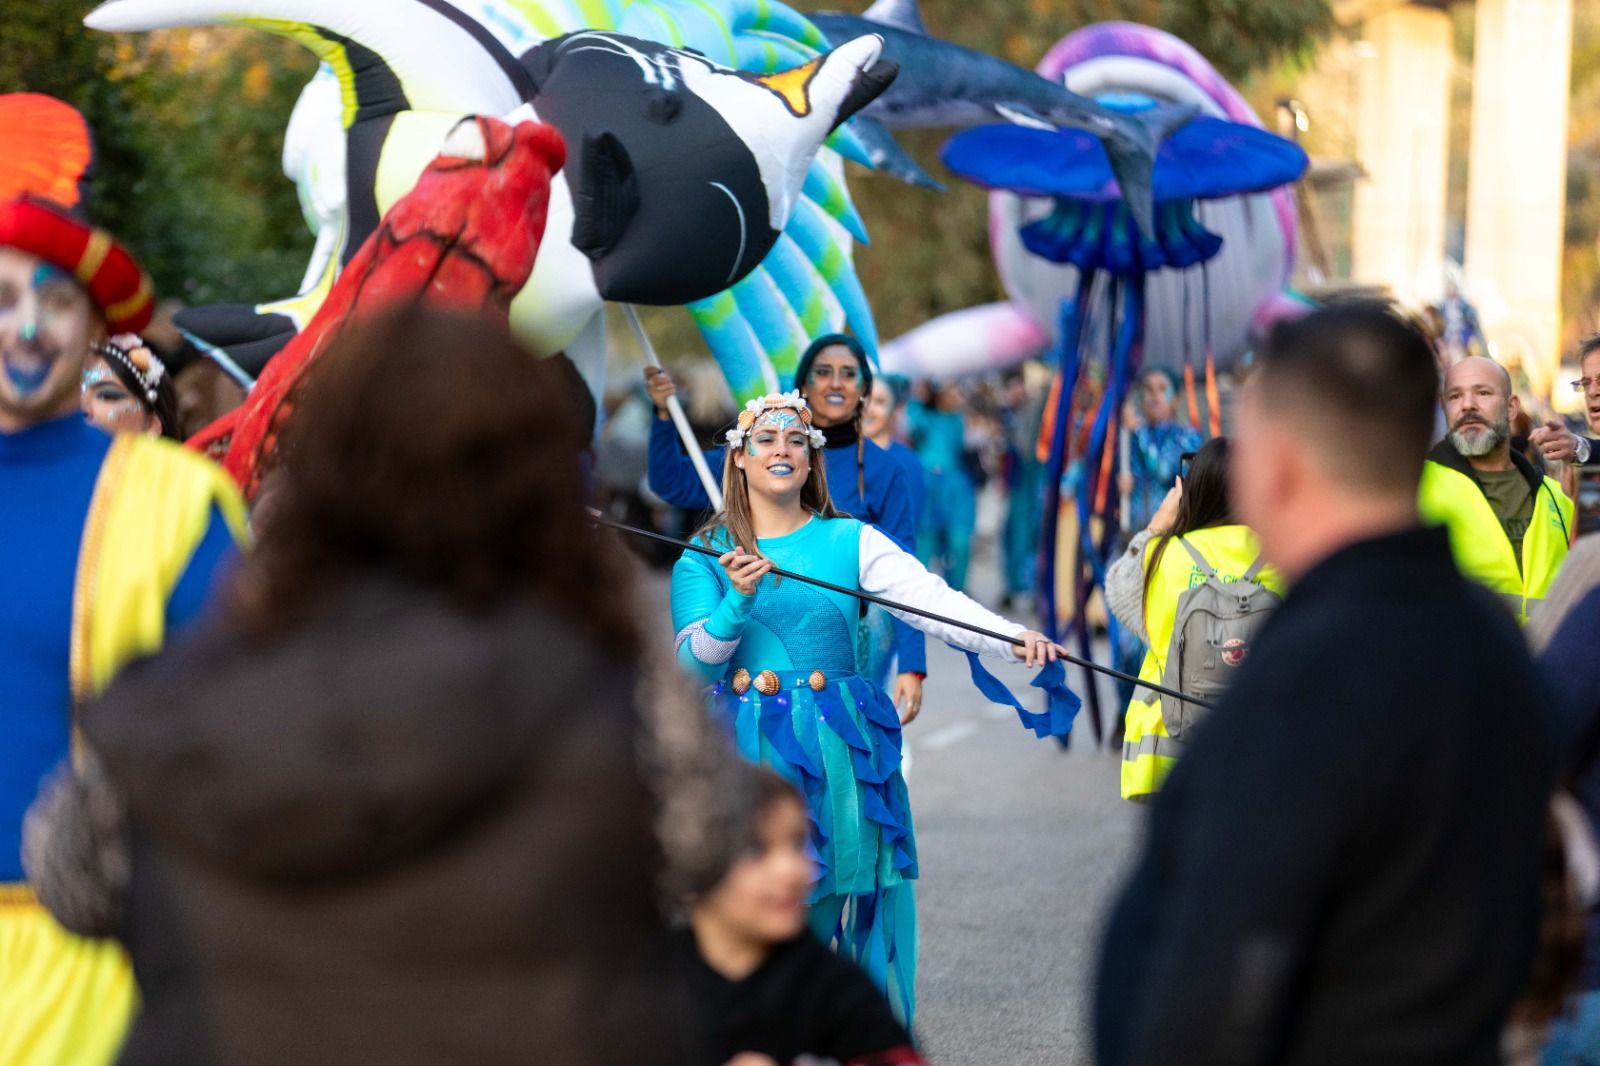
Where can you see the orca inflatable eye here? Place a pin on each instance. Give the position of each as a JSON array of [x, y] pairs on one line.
[[465, 141], [662, 106]]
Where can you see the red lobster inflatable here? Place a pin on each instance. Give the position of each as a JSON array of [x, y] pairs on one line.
[[465, 237]]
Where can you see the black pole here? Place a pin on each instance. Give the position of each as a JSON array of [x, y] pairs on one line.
[[599, 519]]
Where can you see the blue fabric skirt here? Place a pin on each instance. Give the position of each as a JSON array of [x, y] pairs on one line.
[[841, 748]]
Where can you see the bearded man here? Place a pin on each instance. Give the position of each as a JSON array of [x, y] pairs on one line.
[[1510, 526], [110, 544]]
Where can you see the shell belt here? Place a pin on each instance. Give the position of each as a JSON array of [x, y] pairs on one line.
[[768, 683]]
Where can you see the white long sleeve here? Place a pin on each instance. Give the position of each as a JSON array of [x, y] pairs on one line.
[[888, 571]]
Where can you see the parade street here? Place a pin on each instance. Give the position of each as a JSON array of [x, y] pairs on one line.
[[1022, 846]]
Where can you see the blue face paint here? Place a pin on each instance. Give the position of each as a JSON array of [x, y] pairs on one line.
[[95, 375], [780, 419], [47, 298], [45, 273], [29, 380]]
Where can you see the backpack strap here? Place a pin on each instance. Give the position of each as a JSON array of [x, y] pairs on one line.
[[1250, 574], [1255, 570], [1199, 560]]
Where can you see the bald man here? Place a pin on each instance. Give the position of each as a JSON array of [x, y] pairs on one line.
[[1509, 525]]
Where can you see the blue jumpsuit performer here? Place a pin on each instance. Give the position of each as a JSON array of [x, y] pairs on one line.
[[780, 658], [886, 397], [950, 508], [835, 378]]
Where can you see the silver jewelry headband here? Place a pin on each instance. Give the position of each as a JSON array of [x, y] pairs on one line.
[[131, 351]]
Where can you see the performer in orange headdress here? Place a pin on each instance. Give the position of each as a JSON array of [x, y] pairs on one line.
[[110, 544]]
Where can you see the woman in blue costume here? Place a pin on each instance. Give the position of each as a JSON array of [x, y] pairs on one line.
[[950, 510], [835, 377], [780, 658], [886, 397]]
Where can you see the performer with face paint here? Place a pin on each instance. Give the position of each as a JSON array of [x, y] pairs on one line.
[[126, 388], [886, 400], [109, 544], [835, 378], [782, 662]]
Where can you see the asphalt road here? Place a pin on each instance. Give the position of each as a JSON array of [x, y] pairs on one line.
[[1022, 847]]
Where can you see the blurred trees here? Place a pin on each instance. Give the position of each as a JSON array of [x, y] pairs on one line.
[[188, 129]]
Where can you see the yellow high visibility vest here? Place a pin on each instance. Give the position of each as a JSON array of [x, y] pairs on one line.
[[1452, 498], [1148, 753]]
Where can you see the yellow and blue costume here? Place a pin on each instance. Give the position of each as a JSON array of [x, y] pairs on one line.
[[112, 543]]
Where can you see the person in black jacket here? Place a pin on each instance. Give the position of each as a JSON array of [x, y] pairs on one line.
[[1345, 868], [1564, 637], [766, 990]]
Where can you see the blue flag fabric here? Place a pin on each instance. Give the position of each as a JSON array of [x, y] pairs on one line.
[[1061, 703]]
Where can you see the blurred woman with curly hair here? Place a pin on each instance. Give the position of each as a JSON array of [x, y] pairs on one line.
[[390, 807]]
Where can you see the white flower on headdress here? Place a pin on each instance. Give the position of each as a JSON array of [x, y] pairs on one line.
[[774, 401]]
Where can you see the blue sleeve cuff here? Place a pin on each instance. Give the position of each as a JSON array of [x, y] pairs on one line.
[[911, 648], [727, 622]]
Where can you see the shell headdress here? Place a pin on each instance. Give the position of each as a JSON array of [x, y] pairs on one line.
[[761, 406], [131, 351]]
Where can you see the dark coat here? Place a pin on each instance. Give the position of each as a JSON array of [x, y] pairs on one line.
[[400, 835], [1344, 867], [1569, 632], [803, 1000]]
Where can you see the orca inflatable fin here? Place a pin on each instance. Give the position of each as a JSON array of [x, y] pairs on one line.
[[606, 196]]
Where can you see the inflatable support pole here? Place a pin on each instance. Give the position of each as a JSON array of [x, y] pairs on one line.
[[675, 409]]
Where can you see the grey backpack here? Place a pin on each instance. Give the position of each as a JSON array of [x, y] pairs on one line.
[[1211, 638]]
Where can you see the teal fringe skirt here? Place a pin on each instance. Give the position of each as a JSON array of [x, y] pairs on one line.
[[841, 748]]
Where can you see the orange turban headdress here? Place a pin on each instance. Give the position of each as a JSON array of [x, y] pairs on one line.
[[47, 153]]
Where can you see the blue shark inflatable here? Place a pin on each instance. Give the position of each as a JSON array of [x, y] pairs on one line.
[[943, 85]]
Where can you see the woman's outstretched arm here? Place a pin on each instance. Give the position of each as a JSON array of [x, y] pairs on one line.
[[887, 571]]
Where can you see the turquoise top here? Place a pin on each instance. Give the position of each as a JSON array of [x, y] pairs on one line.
[[786, 625], [939, 438]]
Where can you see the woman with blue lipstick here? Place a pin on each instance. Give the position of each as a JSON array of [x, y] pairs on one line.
[[781, 660], [835, 378]]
